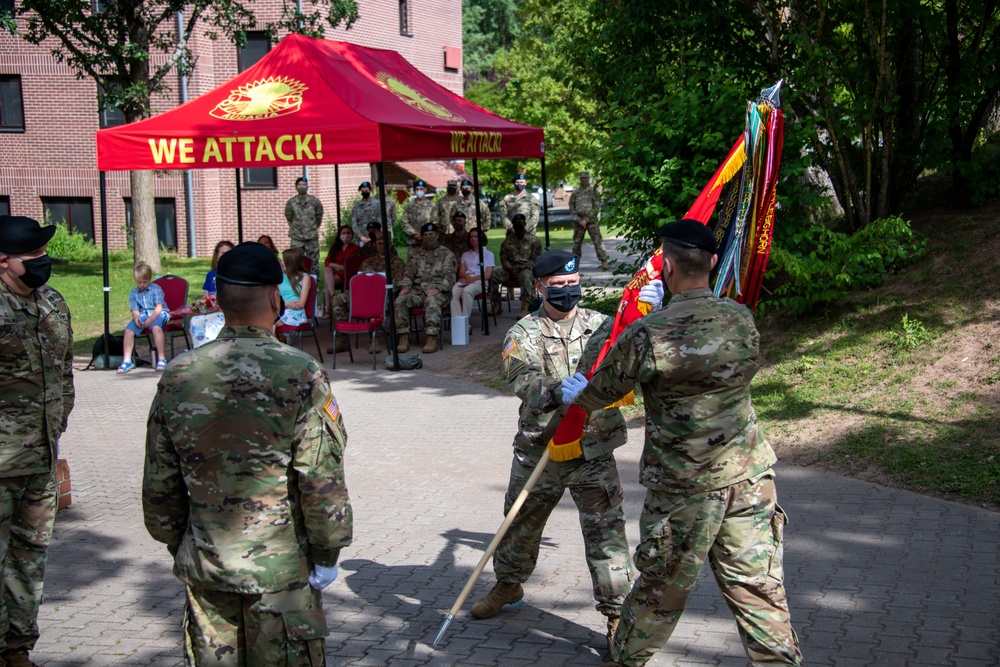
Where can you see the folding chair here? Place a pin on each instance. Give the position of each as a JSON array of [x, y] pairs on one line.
[[175, 294], [367, 312], [510, 284], [485, 302], [309, 326]]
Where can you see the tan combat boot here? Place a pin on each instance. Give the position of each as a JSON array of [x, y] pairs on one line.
[[604, 264], [404, 343], [373, 348], [431, 345], [612, 626], [524, 310], [17, 658], [490, 605]]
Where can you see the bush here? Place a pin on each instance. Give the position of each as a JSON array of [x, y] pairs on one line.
[[827, 264], [73, 248]]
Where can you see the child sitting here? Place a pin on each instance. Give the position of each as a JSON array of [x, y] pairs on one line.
[[149, 311]]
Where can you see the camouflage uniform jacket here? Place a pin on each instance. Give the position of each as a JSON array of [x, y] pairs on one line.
[[304, 217], [457, 244], [376, 264], [244, 472], [514, 203], [418, 212], [430, 269], [445, 207], [36, 379], [585, 204], [519, 254], [469, 209], [537, 355], [364, 212], [694, 361]]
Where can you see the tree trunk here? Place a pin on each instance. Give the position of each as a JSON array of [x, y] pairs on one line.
[[147, 245]]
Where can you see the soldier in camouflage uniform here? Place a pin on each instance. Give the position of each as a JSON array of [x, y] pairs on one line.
[[36, 395], [585, 207], [305, 216], [430, 273], [468, 205], [446, 206], [518, 253], [561, 338], [368, 209], [244, 481], [520, 201], [458, 240], [418, 212], [705, 462]]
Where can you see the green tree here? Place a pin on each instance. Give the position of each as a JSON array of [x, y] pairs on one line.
[[487, 27], [117, 46]]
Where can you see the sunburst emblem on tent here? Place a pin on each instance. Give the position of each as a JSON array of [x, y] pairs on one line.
[[416, 99], [266, 98]]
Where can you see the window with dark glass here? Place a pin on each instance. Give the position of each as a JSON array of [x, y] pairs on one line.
[[11, 103], [7, 6], [257, 47], [111, 115], [260, 178], [102, 6], [166, 221], [77, 213], [404, 18], [4, 205]]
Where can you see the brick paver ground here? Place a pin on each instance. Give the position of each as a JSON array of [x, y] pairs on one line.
[[876, 576]]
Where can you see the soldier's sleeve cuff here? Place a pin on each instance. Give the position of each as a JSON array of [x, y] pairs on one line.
[[324, 557]]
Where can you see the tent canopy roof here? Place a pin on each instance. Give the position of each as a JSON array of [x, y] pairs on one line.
[[311, 101]]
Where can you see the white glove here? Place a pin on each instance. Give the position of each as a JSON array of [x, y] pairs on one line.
[[322, 577], [572, 386], [652, 293]]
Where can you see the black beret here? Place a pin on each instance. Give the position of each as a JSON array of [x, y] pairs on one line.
[[365, 184], [518, 177], [20, 235], [250, 263], [466, 182], [689, 233], [419, 184], [555, 263], [458, 214], [430, 227], [301, 179], [518, 216], [374, 225]]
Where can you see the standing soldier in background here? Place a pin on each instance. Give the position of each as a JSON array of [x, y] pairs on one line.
[[468, 206], [518, 253], [705, 463], [305, 215], [519, 201], [36, 397], [368, 209], [430, 273], [557, 338], [418, 212], [244, 480], [585, 207], [447, 205]]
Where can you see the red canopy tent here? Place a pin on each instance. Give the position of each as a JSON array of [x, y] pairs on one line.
[[309, 102]]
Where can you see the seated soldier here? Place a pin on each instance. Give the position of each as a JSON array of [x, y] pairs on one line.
[[430, 273], [458, 240], [518, 253]]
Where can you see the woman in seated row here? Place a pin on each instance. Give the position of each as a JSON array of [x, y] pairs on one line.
[[469, 284], [335, 265]]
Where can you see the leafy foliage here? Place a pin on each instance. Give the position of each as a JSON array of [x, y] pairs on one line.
[[911, 334], [77, 248]]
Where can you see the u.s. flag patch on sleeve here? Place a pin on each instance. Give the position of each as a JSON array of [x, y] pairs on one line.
[[331, 407], [510, 347]]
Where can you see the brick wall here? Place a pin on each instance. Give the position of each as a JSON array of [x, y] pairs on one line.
[[56, 154]]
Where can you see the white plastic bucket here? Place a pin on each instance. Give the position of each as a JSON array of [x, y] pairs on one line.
[[459, 330]]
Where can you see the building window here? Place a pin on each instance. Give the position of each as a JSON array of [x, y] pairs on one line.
[[260, 178], [166, 221], [7, 6], [11, 103], [102, 6], [257, 47], [404, 18], [4, 205], [111, 115], [77, 213]]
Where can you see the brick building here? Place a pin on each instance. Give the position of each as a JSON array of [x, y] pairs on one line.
[[48, 118]]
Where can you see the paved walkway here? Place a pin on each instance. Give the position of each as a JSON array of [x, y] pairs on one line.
[[875, 576]]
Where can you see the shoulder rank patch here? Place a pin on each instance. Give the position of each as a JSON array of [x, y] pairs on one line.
[[510, 347], [331, 407]]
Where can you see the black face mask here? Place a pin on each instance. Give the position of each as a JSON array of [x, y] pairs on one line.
[[518, 187], [466, 192], [518, 230], [563, 299], [365, 195], [36, 271], [452, 191]]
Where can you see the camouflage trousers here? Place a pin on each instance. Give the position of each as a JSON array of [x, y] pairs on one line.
[[524, 277], [594, 229], [310, 248], [339, 305], [27, 514], [597, 492], [283, 629], [434, 305], [739, 530]]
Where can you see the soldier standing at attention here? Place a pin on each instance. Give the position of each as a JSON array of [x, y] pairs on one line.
[[518, 253], [244, 481], [367, 210], [468, 205], [585, 207], [305, 215], [705, 463], [558, 339], [36, 397], [519, 201], [418, 212], [430, 273], [447, 205]]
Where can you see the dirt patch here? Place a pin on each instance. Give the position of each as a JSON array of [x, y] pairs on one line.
[[480, 364]]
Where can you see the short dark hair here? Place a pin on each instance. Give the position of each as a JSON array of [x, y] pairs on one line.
[[689, 261], [301, 179], [242, 301]]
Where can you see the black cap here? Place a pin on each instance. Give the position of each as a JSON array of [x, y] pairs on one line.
[[250, 263], [374, 225], [555, 263], [365, 184], [301, 179], [419, 184], [430, 227], [19, 234], [689, 233], [465, 182], [458, 214], [518, 177], [518, 216]]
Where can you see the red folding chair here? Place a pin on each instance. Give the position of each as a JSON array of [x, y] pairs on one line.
[[175, 294], [367, 312], [309, 326]]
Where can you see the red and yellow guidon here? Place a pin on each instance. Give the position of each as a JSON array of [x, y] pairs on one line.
[[416, 99], [266, 98]]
